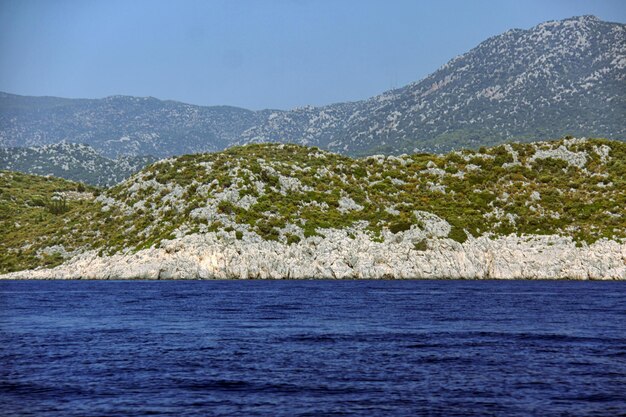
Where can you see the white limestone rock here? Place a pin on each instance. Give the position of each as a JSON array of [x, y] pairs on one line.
[[337, 256], [347, 204], [577, 159]]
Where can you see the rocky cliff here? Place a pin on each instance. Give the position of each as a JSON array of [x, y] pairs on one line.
[[338, 256]]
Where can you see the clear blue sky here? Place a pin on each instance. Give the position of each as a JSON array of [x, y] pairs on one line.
[[254, 54]]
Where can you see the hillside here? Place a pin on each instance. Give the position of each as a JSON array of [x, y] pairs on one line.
[[288, 196], [72, 161], [32, 212], [119, 125], [559, 78]]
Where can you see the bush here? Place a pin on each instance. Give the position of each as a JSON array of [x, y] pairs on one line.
[[57, 206], [225, 207], [457, 234], [291, 239], [422, 245], [400, 226], [267, 231], [269, 179], [37, 201], [310, 230]]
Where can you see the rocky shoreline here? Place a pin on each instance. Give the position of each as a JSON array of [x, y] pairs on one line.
[[339, 255]]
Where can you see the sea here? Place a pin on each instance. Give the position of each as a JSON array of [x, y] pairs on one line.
[[312, 348]]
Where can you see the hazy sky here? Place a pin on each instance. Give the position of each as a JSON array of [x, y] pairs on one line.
[[253, 54]]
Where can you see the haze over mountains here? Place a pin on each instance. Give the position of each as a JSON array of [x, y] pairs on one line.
[[558, 78]]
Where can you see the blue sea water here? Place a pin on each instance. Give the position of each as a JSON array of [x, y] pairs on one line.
[[312, 348]]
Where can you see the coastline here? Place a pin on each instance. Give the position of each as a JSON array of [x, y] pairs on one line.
[[339, 256]]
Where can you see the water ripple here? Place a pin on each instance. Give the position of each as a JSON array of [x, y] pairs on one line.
[[312, 348]]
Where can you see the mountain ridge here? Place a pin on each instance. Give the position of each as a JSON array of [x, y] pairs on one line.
[[563, 77]]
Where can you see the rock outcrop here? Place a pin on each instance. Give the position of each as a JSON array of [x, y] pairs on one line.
[[340, 256]]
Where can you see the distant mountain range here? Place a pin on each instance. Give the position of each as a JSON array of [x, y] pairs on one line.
[[72, 161], [558, 78], [121, 125]]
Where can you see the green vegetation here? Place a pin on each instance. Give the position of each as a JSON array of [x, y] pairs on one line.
[[287, 193], [35, 213]]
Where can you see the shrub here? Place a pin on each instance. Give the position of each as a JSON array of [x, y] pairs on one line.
[[57, 205], [457, 234], [291, 239], [37, 201], [225, 207], [267, 231], [310, 230], [422, 245], [400, 226]]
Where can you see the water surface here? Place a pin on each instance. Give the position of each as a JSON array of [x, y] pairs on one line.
[[298, 348]]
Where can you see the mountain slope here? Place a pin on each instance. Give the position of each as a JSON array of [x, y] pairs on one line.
[[72, 161], [121, 125], [287, 196], [559, 78]]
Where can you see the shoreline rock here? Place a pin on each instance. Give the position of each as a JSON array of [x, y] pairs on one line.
[[340, 256]]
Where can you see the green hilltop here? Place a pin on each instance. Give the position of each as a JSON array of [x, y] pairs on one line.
[[288, 193]]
